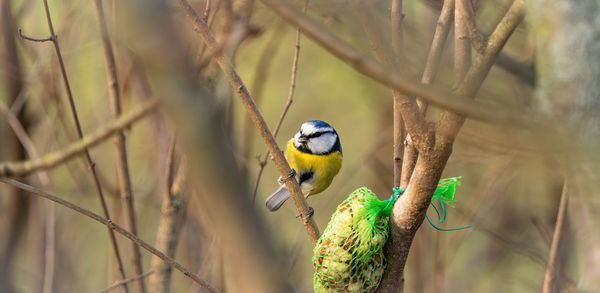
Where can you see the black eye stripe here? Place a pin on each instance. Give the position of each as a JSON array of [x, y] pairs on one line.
[[317, 134]]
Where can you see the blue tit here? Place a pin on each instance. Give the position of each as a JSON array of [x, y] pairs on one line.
[[315, 153]]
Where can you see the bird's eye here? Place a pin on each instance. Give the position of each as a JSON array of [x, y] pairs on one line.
[[316, 134]]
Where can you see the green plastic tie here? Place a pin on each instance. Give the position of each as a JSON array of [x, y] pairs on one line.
[[445, 194]]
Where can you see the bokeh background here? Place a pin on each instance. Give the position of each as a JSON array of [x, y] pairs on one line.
[[510, 187]]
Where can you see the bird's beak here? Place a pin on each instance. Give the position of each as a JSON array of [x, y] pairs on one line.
[[302, 139]]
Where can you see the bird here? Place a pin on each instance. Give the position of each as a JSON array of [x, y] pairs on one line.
[[315, 156]]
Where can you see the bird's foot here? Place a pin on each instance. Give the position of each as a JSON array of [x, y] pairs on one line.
[[311, 212], [289, 176]]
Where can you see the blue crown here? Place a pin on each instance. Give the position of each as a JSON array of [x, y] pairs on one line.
[[318, 123]]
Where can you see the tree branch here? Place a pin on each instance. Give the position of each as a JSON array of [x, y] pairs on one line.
[[39, 40], [451, 121], [399, 128], [468, 16], [53, 159], [169, 226], [552, 269], [462, 42], [112, 226], [409, 211], [431, 68], [122, 166], [117, 284], [382, 74], [292, 185]]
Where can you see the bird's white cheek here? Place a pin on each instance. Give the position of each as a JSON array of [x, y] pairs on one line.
[[322, 144], [296, 143]]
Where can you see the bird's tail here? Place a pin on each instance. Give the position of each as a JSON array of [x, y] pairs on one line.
[[276, 200]]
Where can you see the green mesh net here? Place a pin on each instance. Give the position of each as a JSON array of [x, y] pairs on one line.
[[349, 255]]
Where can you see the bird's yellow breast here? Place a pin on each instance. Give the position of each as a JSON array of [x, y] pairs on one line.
[[324, 167]]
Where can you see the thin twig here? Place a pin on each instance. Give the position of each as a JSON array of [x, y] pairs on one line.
[[263, 162], [462, 42], [91, 164], [170, 222], [207, 10], [112, 226], [552, 268], [437, 44], [399, 129], [478, 41], [19, 131], [451, 122], [121, 282], [170, 164], [48, 39], [236, 82], [122, 166], [53, 159]]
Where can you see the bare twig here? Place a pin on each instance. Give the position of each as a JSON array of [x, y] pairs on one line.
[[48, 39], [117, 284], [437, 44], [207, 10], [468, 16], [113, 227], [525, 71], [552, 268], [284, 169], [19, 131], [462, 42], [399, 131], [170, 222], [451, 121], [263, 162], [122, 166], [53, 159]]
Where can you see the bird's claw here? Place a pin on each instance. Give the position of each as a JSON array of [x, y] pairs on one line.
[[311, 212], [289, 176]]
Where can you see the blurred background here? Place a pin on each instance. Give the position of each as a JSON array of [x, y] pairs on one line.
[[510, 184]]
